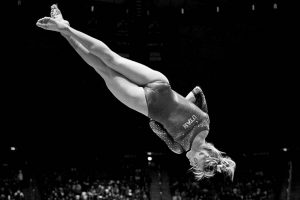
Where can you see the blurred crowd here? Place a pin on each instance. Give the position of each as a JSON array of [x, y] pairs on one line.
[[68, 188], [74, 184], [256, 178], [255, 187], [11, 185], [261, 181]]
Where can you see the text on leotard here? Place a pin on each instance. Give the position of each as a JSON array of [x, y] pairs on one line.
[[189, 122]]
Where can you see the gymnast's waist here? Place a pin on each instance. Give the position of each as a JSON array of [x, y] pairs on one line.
[[186, 138]]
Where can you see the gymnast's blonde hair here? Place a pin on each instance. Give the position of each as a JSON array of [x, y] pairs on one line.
[[215, 162]]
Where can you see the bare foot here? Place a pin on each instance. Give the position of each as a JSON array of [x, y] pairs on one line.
[[56, 14]]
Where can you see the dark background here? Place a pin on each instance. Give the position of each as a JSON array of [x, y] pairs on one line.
[[56, 106]]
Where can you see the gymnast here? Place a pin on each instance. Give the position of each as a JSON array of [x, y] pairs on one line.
[[181, 122]]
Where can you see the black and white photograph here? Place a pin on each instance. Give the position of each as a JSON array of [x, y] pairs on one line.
[[149, 100]]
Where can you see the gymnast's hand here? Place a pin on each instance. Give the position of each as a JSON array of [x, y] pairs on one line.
[[53, 24]]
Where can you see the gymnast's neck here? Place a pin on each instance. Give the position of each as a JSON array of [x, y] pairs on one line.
[[199, 140]]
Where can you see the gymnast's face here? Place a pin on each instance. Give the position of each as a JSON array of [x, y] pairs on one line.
[[196, 158]]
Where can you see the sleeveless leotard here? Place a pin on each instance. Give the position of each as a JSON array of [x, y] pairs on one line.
[[180, 119]]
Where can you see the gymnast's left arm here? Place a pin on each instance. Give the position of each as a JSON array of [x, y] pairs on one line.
[[197, 97]]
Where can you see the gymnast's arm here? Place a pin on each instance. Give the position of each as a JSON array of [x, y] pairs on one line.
[[190, 97], [163, 135], [197, 97]]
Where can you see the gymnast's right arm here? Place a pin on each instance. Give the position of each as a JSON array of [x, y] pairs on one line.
[[163, 135]]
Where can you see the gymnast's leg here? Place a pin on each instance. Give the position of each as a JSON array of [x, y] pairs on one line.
[[134, 71], [122, 88]]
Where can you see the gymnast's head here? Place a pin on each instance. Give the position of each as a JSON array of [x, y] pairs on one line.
[[206, 161]]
